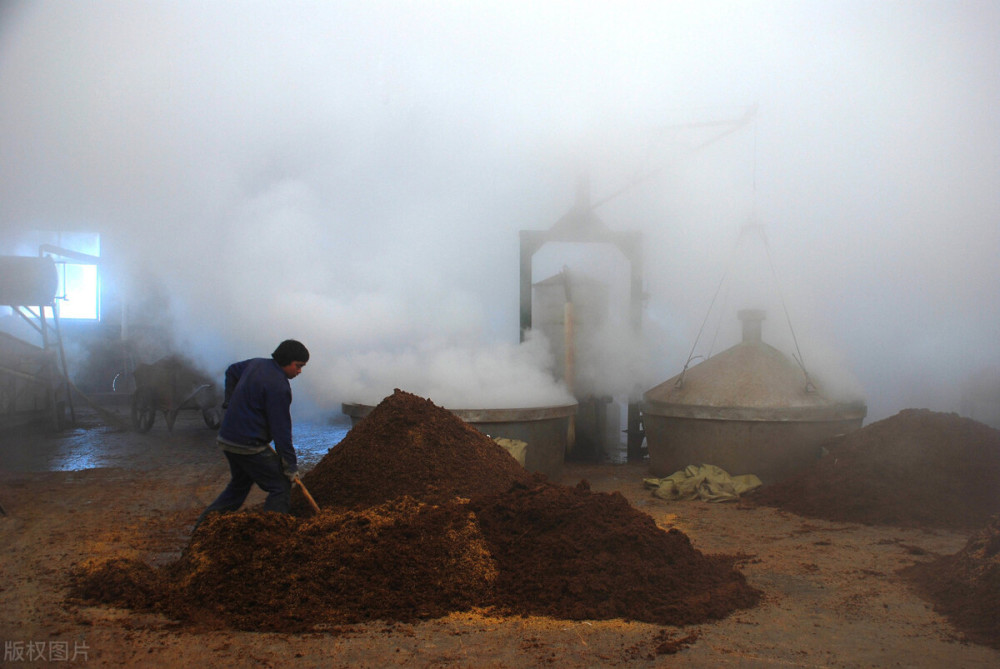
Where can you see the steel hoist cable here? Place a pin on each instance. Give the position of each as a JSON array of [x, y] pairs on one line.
[[747, 229], [722, 282], [777, 285], [753, 226]]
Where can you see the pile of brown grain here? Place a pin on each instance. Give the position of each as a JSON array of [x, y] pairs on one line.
[[918, 468], [965, 587], [408, 446], [423, 515]]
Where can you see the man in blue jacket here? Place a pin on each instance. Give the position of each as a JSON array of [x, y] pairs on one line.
[[258, 411]]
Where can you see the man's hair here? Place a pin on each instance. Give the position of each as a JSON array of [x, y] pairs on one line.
[[289, 351]]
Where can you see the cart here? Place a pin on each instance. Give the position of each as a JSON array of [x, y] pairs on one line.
[[171, 385]]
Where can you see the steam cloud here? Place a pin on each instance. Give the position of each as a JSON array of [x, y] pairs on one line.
[[354, 175]]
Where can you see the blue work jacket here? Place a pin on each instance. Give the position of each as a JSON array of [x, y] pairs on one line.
[[259, 400]]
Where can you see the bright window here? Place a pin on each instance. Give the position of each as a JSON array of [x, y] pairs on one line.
[[76, 255], [79, 291]]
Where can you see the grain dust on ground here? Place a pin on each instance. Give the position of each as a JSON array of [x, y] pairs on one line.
[[833, 592]]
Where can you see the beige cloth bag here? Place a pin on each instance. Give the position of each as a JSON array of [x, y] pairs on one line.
[[705, 482], [515, 447]]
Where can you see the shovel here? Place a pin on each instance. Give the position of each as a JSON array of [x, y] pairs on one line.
[[305, 492]]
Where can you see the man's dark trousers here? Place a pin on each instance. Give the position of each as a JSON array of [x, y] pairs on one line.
[[262, 468]]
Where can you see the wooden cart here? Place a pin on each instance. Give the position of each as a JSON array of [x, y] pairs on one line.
[[171, 385]]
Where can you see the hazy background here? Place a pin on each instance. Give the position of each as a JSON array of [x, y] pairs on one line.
[[354, 175]]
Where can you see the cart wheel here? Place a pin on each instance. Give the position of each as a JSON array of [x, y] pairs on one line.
[[213, 417], [143, 409]]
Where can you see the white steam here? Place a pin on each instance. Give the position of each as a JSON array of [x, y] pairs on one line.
[[509, 376], [355, 174]]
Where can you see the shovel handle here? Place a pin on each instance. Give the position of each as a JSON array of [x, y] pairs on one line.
[[309, 497]]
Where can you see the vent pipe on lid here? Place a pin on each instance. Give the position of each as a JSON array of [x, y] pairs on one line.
[[751, 319]]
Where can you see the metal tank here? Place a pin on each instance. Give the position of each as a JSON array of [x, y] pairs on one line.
[[28, 281], [544, 429], [748, 410]]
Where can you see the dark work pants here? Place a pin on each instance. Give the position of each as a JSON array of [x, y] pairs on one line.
[[264, 469]]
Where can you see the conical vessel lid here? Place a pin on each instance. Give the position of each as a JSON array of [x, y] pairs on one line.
[[750, 381]]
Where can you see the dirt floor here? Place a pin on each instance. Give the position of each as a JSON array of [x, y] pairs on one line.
[[832, 595]]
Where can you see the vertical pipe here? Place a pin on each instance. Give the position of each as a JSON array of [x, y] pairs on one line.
[[569, 373], [529, 244], [752, 320], [62, 358], [570, 352]]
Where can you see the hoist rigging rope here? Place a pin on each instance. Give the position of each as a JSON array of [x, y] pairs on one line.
[[691, 356], [718, 321], [752, 227], [784, 306]]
